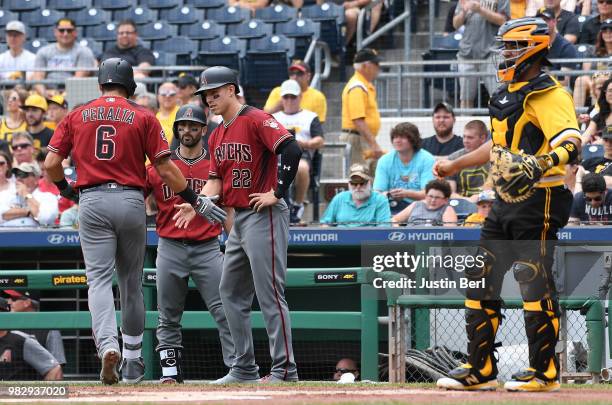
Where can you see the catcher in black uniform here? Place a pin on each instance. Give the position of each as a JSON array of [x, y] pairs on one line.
[[535, 133]]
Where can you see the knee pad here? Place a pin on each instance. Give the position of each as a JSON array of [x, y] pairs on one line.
[[483, 269], [483, 319], [170, 360], [533, 280]]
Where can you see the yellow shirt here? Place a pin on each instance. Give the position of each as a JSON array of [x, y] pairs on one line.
[[168, 122], [6, 133], [359, 101], [557, 124], [518, 9], [51, 125], [474, 219], [312, 100]]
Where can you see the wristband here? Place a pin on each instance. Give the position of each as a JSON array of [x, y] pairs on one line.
[[62, 184], [189, 195]]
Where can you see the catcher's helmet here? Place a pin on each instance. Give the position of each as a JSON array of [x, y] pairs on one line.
[[189, 112], [117, 71], [215, 77], [523, 41]]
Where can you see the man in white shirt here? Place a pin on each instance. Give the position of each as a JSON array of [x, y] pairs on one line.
[[16, 60], [29, 207], [306, 127]]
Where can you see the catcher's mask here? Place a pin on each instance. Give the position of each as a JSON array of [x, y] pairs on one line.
[[523, 42]]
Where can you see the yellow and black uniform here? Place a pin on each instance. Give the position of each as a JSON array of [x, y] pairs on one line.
[[359, 101], [6, 133], [522, 119]]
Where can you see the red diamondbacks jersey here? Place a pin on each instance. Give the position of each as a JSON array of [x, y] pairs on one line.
[[196, 173], [110, 139], [243, 155]]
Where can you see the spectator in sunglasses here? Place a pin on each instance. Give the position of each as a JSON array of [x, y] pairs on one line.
[[359, 206], [22, 146], [167, 98], [344, 366], [63, 55], [593, 205], [591, 27], [128, 48], [14, 118]]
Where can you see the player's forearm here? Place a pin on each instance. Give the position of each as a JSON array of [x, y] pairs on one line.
[[212, 187], [171, 175], [53, 165], [476, 157], [565, 153]]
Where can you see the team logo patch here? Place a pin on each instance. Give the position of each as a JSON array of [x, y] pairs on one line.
[[163, 135], [188, 113], [272, 123]]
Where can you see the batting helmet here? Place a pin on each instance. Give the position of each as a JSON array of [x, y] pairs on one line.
[[117, 71], [189, 112], [215, 77]]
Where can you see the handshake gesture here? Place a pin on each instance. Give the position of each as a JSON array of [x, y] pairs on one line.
[[204, 206]]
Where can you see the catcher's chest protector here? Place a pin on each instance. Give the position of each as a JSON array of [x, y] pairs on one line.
[[510, 125]]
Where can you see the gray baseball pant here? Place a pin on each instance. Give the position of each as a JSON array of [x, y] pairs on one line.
[[256, 263], [176, 262], [112, 229]]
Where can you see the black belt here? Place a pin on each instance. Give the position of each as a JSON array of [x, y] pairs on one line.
[[108, 187], [351, 131], [192, 242], [239, 209]]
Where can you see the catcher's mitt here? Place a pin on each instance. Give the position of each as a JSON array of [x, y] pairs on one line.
[[514, 174]]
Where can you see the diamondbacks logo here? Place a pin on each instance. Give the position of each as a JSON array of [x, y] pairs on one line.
[[188, 113], [272, 123]]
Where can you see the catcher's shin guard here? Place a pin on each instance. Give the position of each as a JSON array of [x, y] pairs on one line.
[[482, 322], [170, 360]]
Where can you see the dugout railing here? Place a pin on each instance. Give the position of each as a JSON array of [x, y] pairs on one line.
[[365, 321]]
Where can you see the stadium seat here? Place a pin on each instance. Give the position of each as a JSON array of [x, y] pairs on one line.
[[3, 47], [331, 17], [5, 17], [164, 59], [276, 14], [228, 52], [157, 31], [20, 5], [140, 15], [95, 46], [48, 33], [103, 32], [592, 151], [228, 15], [156, 4], [182, 15], [449, 41], [183, 47], [112, 5], [40, 18], [203, 30], [68, 5], [206, 4], [90, 16], [250, 30], [267, 61], [304, 31], [462, 207], [34, 45]]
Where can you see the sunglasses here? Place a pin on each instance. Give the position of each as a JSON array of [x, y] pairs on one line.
[[358, 183], [13, 98], [65, 30], [170, 94], [126, 33], [21, 146], [290, 96], [2, 163], [296, 73], [591, 199], [604, 1], [22, 175], [344, 370]]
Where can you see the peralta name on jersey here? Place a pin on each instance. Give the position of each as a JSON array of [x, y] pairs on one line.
[[108, 114]]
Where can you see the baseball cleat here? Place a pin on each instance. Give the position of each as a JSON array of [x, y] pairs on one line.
[[533, 385], [230, 379], [169, 380], [109, 374], [464, 379], [132, 370], [272, 379]]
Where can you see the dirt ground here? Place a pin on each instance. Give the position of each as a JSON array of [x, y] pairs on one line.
[[313, 393]]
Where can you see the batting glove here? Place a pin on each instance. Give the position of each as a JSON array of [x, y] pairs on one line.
[[206, 207], [70, 193]]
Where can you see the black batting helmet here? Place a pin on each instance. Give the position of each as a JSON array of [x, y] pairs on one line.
[[215, 77], [117, 71], [189, 112]]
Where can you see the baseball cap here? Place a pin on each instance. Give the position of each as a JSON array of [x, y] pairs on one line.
[[17, 26], [299, 65], [547, 13], [27, 167], [607, 132], [185, 80], [29, 294], [359, 170], [35, 100], [446, 106], [59, 100], [486, 195], [367, 55], [290, 87]]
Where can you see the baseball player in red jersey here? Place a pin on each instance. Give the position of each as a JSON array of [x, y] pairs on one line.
[[110, 138], [243, 170], [182, 253]]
